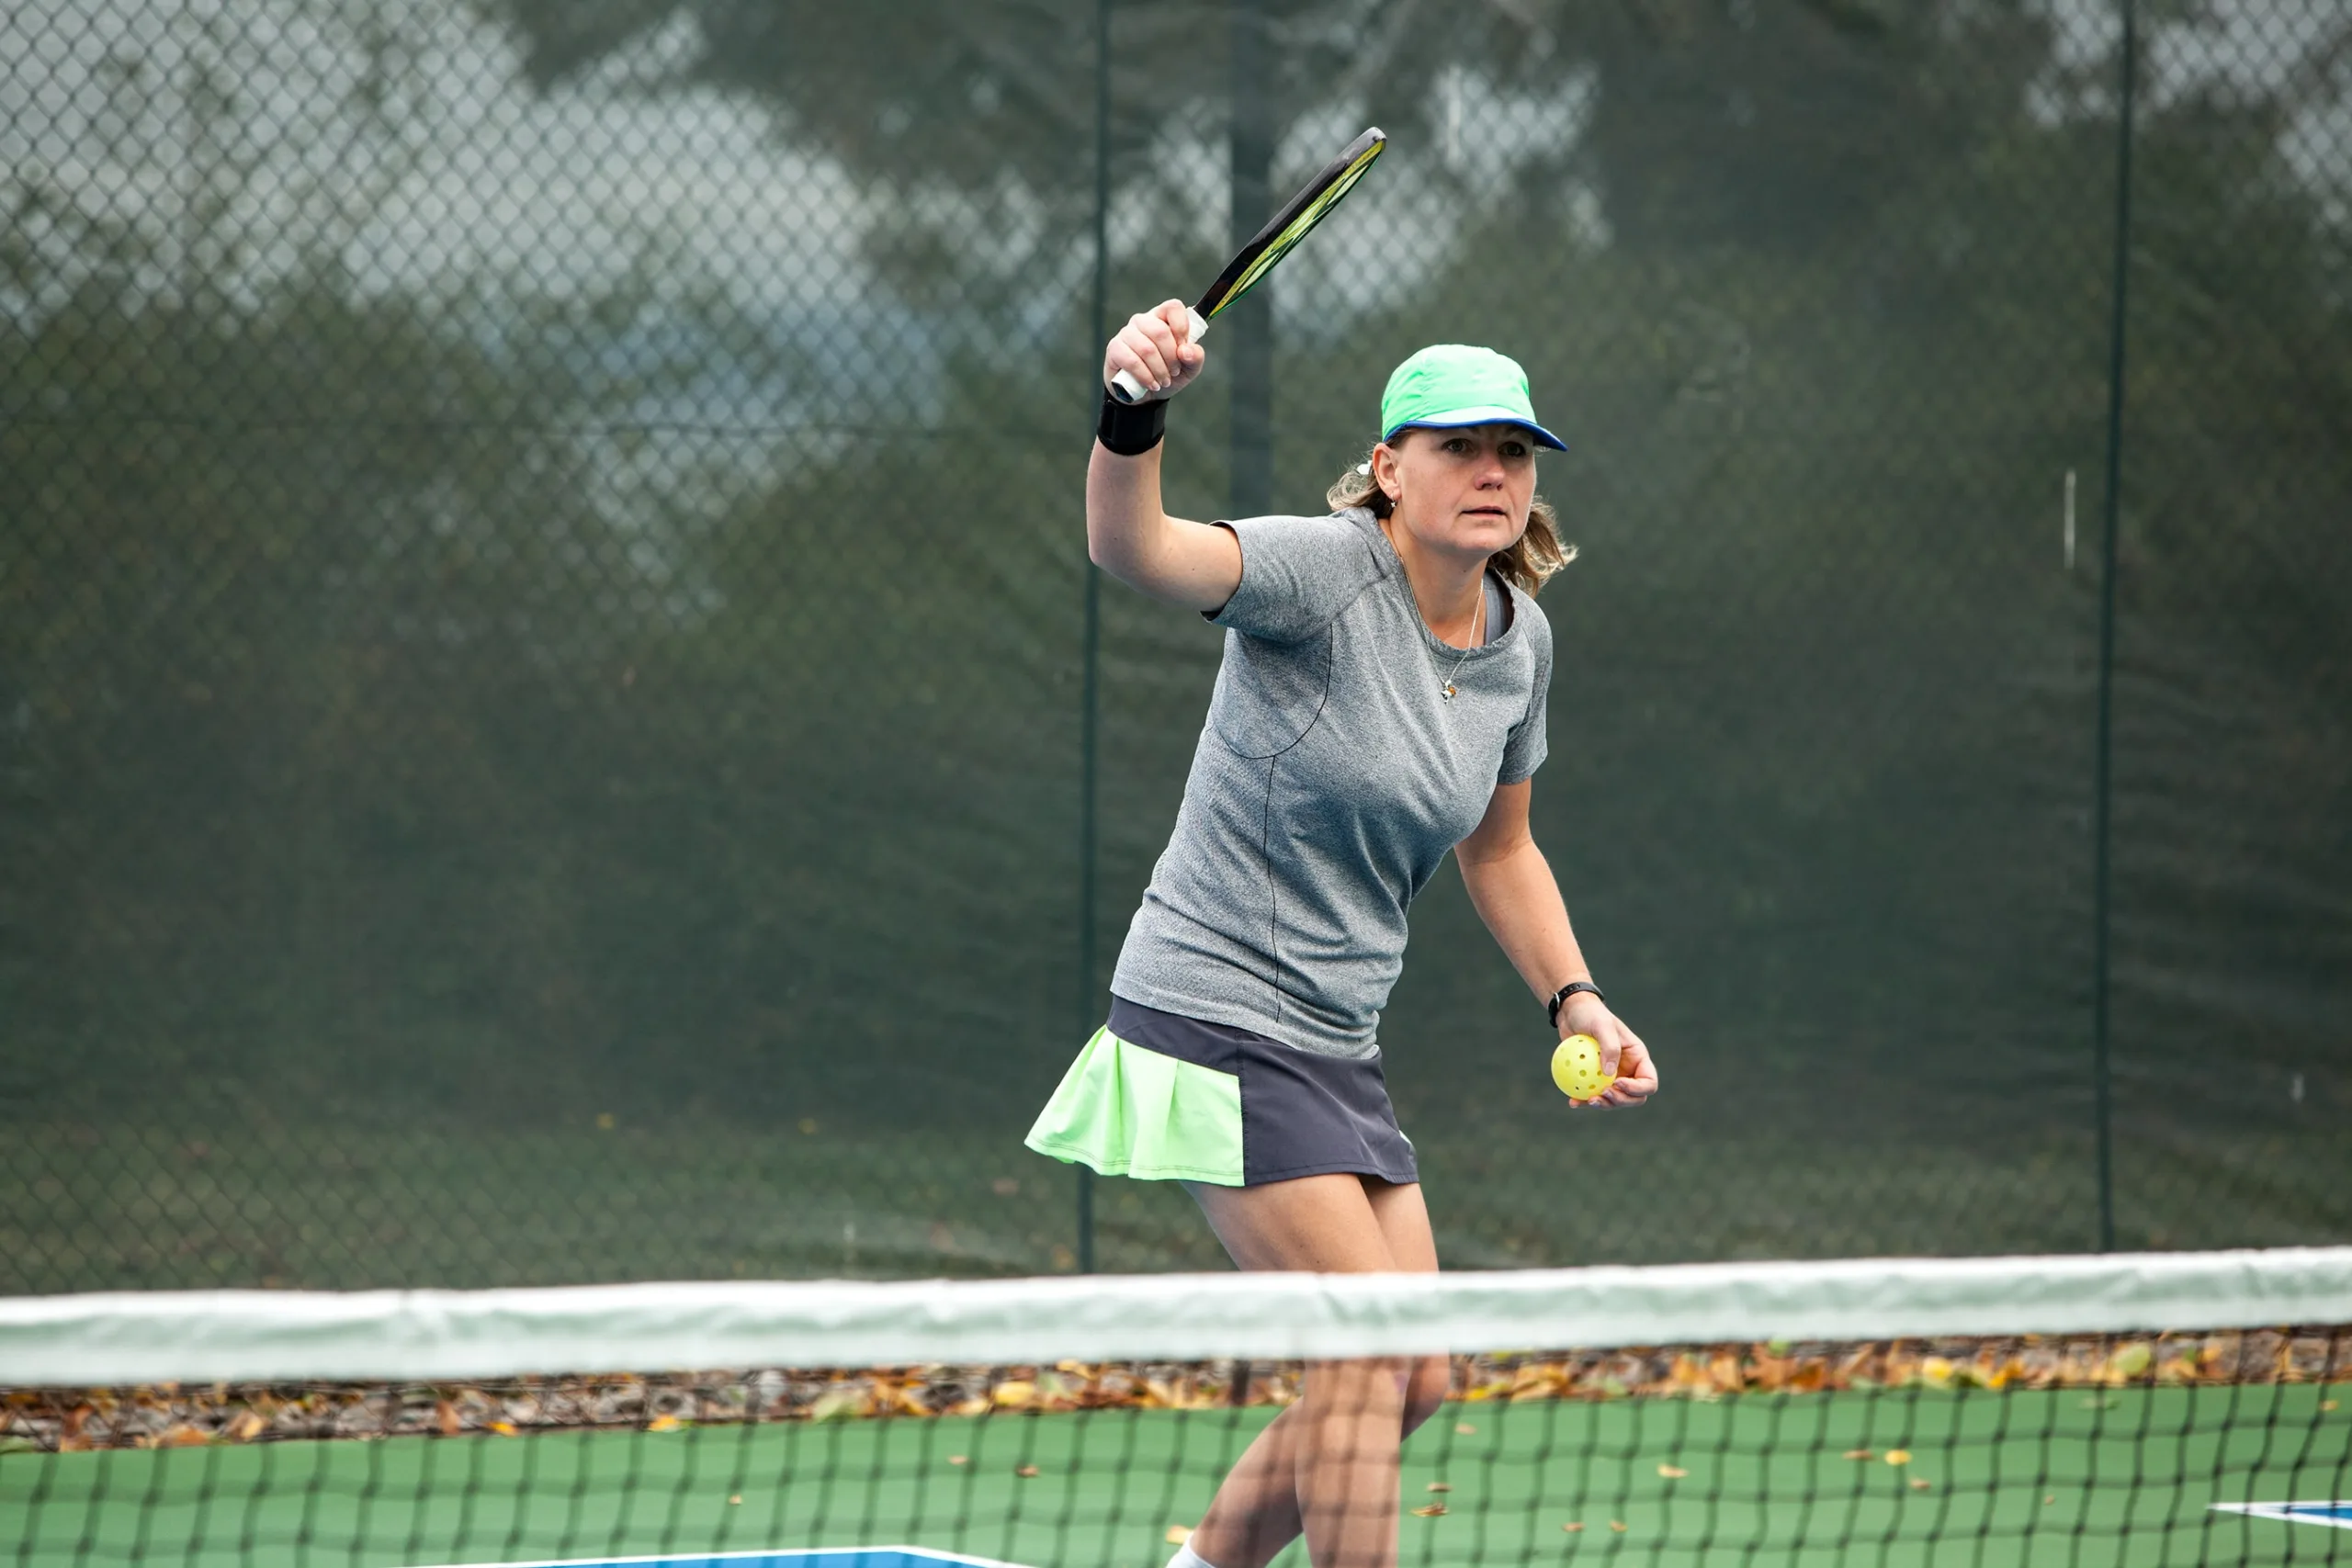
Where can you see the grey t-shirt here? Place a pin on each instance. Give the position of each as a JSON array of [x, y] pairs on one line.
[[1332, 778]]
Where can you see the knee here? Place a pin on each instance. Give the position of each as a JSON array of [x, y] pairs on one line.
[[1359, 1387], [1425, 1389], [1413, 1386]]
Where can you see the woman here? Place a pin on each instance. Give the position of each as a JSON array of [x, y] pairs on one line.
[[1381, 701]]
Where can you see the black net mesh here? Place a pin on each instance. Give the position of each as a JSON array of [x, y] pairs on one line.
[[545, 655], [2036, 1452]]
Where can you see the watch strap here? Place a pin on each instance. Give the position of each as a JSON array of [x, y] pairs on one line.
[[1560, 997]]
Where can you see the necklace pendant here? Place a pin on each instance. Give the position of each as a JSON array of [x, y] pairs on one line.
[[1448, 689]]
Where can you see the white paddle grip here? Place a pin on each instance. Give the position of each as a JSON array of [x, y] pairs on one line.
[[1127, 390]]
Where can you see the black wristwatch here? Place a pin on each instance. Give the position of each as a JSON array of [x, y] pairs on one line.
[[1560, 997]]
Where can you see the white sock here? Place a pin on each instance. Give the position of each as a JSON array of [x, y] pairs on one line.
[[1187, 1558]]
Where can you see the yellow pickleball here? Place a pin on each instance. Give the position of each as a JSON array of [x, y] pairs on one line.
[[1576, 1067]]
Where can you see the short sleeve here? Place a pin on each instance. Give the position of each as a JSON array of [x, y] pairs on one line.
[[1526, 745], [1298, 575]]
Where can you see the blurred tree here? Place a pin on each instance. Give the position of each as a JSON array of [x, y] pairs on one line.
[[1712, 121], [405, 705]]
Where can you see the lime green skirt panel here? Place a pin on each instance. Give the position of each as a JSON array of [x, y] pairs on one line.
[[1126, 1111]]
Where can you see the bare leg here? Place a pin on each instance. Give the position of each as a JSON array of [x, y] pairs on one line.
[[1326, 1466]]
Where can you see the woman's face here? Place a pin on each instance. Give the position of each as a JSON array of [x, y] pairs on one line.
[[1465, 491]]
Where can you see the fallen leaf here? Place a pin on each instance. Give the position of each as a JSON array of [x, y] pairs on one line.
[[735, 1501], [1920, 1484], [1617, 1525], [1672, 1471], [1429, 1510], [1440, 1486], [1024, 1471], [1178, 1535], [183, 1435], [664, 1424], [245, 1426], [503, 1429], [1574, 1527], [1859, 1453], [1014, 1395], [1465, 1430], [1898, 1455], [445, 1418], [959, 1459], [2327, 1404], [2053, 1497], [838, 1404]]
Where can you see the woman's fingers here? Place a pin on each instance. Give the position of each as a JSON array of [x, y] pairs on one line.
[[1187, 360], [1152, 347], [1636, 1074], [1132, 351], [1610, 1036], [1135, 352]]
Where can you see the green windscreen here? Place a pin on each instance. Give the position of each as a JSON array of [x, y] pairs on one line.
[[555, 726]]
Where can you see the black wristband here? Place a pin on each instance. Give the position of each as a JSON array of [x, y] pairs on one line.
[[1560, 997], [1131, 429]]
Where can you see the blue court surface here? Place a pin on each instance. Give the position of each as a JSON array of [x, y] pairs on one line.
[[829, 1556], [2335, 1516]]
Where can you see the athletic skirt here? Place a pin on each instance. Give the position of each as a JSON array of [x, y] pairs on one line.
[[1166, 1097]]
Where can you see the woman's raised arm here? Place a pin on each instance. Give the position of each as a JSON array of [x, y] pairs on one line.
[[1128, 533]]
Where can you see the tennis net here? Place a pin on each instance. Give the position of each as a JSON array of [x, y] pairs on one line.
[[2122, 1410]]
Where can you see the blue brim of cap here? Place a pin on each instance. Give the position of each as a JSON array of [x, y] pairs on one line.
[[1463, 419]]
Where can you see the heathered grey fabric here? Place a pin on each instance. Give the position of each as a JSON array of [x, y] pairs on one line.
[[1330, 780]]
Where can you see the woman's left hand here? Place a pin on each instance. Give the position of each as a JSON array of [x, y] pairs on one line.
[[1621, 1051]]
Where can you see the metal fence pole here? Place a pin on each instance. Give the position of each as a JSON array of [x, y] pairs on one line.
[[1251, 335], [2103, 784], [1091, 685]]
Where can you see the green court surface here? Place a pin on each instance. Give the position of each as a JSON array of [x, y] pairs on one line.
[[2064, 1477]]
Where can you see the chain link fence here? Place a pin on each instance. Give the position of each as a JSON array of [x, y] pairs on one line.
[[555, 725]]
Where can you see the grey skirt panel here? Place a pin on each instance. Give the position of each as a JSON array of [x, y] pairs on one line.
[[1303, 1113]]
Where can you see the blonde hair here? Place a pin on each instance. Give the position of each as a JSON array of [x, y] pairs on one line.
[[1531, 561]]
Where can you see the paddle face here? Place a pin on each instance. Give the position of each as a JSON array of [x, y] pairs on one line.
[[1299, 215]]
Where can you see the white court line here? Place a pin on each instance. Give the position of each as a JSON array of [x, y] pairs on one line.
[[2338, 1516]]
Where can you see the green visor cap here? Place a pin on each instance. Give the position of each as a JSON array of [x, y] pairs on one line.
[[1449, 386]]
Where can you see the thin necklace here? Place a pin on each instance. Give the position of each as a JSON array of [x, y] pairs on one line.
[[1477, 619]]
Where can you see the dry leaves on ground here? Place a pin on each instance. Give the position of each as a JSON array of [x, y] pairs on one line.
[[171, 1414]]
